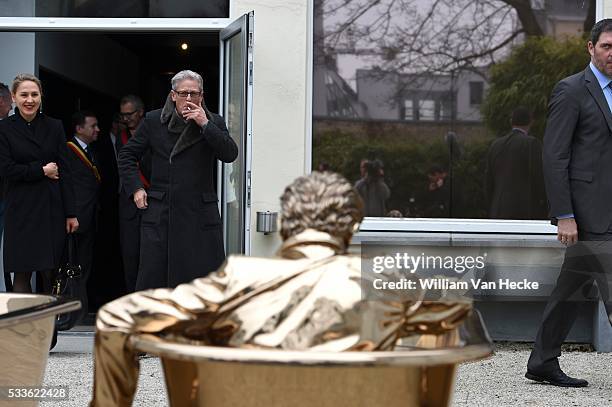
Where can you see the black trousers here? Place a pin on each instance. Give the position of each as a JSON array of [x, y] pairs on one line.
[[84, 252], [129, 239], [588, 261]]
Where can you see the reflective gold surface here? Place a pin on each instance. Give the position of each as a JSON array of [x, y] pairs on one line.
[[25, 339], [309, 298]]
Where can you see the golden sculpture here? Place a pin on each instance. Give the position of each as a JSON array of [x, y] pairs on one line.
[[308, 298]]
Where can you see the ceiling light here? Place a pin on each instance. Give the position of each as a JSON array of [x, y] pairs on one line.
[[184, 46]]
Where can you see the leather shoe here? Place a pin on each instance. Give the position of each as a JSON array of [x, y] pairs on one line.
[[556, 378]]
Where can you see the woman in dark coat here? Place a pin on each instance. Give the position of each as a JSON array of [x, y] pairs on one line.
[[181, 231], [39, 198]]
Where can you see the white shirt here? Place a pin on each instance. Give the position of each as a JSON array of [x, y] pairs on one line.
[[81, 143]]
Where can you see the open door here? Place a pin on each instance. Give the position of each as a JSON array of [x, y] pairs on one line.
[[236, 95]]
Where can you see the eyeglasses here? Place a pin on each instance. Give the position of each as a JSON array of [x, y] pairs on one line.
[[127, 114], [185, 94]]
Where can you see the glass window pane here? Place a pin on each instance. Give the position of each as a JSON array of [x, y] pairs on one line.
[[408, 110], [416, 98], [476, 93], [233, 172], [427, 110]]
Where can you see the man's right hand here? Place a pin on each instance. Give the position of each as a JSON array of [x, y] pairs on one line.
[[140, 199], [567, 231]]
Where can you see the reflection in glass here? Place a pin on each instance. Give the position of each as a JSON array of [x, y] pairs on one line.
[[233, 179], [428, 87]]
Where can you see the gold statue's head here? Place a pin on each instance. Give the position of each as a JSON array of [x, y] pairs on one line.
[[323, 201]]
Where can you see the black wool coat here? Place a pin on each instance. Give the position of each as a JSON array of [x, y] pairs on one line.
[[36, 206], [181, 231]]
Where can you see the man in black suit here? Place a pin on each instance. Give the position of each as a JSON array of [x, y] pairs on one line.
[[107, 249], [86, 183], [515, 183], [577, 158], [131, 113]]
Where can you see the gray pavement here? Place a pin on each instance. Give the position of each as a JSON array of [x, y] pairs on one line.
[[494, 382]]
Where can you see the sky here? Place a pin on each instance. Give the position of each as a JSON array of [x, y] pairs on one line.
[[406, 15]]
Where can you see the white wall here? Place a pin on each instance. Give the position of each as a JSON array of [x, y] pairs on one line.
[[280, 113], [17, 55], [17, 8], [607, 8]]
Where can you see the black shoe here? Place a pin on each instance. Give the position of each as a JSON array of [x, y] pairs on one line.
[[556, 378], [53, 339]]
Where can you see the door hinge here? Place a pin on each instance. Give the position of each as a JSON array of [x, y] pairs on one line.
[[248, 203]]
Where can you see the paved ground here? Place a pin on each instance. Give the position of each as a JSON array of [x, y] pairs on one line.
[[495, 382], [500, 381]]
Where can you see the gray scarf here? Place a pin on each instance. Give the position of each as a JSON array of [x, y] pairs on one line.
[[190, 132], [176, 124]]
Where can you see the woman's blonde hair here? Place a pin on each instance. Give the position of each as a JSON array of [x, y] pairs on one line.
[[24, 77], [323, 201]]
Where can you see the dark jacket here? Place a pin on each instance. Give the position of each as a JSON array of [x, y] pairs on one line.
[[36, 206], [127, 209], [86, 189], [515, 182], [181, 235], [577, 152], [374, 194]]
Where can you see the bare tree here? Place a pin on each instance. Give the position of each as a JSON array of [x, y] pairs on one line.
[[436, 36]]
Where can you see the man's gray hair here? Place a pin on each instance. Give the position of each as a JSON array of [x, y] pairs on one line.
[[187, 74], [134, 100]]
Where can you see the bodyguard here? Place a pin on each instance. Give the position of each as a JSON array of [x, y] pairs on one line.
[[577, 159]]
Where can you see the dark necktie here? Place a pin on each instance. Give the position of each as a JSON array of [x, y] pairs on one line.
[[89, 155]]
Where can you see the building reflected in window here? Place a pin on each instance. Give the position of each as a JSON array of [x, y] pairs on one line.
[[427, 89]]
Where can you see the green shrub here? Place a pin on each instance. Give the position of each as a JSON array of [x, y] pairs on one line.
[[407, 162], [527, 78]]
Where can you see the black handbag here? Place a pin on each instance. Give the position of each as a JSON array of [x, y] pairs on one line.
[[67, 285]]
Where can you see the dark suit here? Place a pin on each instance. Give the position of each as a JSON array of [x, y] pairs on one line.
[[129, 223], [106, 286], [86, 191], [515, 183], [577, 159]]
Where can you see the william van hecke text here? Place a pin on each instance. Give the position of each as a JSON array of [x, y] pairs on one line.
[[452, 284]]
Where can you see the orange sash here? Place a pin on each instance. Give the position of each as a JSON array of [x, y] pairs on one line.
[[83, 157]]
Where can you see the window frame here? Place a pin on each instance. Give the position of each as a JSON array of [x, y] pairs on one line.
[[20, 24], [412, 228]]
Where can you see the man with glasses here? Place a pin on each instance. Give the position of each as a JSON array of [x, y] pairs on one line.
[[181, 233], [131, 113]]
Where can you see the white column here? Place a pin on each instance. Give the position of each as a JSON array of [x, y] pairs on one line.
[[281, 123]]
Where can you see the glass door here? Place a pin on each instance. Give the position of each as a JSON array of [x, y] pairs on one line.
[[236, 60]]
